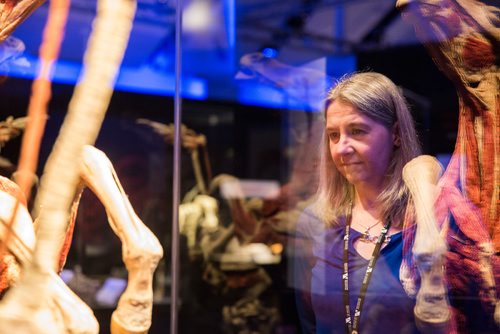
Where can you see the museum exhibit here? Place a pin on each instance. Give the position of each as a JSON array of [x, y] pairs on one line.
[[249, 166]]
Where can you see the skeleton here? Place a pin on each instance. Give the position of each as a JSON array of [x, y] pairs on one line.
[[74, 315], [198, 209], [56, 310], [466, 53], [463, 36], [141, 251], [432, 312], [191, 141], [201, 213], [230, 259]]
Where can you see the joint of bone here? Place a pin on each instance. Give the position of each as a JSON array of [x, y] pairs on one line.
[[432, 312]]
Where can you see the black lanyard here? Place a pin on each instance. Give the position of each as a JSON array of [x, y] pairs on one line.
[[352, 325]]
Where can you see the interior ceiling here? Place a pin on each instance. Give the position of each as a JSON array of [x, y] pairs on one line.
[[301, 31], [305, 29]]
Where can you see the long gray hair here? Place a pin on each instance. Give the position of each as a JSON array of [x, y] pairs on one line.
[[377, 97]]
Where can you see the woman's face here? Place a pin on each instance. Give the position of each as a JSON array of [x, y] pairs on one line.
[[360, 147]]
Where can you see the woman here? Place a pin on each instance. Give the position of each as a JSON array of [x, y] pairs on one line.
[[355, 226]]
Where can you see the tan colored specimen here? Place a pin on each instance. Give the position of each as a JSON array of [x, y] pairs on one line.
[[462, 37], [13, 12], [63, 311], [141, 250], [32, 305], [432, 310]]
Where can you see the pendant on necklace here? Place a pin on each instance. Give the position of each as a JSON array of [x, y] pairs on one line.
[[367, 237]]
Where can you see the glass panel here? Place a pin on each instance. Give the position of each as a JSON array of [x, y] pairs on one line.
[[255, 255], [244, 185], [266, 67], [134, 136]]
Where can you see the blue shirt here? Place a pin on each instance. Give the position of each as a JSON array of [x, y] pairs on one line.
[[318, 273]]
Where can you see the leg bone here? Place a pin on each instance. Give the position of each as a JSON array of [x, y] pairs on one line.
[[141, 250], [432, 310]]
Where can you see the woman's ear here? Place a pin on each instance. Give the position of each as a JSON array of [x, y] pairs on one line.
[[396, 138]]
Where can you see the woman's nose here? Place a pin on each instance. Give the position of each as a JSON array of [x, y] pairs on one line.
[[344, 145]]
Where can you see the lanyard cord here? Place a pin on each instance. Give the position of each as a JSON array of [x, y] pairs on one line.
[[353, 325]]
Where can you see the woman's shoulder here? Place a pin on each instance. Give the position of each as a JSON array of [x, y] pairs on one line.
[[309, 223]]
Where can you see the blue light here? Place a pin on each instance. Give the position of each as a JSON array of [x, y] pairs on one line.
[[270, 52], [140, 80], [147, 80]]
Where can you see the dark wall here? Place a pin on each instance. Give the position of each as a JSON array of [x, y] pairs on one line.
[[413, 69]]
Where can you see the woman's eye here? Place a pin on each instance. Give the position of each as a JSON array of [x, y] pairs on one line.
[[333, 136], [356, 132]]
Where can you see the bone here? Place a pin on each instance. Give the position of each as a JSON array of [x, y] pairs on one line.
[[86, 111], [23, 240], [60, 179], [432, 310], [189, 215], [62, 312], [421, 176], [486, 252], [200, 213], [191, 141], [13, 12], [210, 207], [55, 309], [141, 250]]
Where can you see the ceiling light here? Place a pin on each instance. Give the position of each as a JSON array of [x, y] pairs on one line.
[[197, 16]]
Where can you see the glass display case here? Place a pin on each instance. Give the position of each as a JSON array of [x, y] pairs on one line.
[[215, 128]]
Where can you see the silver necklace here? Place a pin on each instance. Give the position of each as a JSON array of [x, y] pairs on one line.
[[367, 237]]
